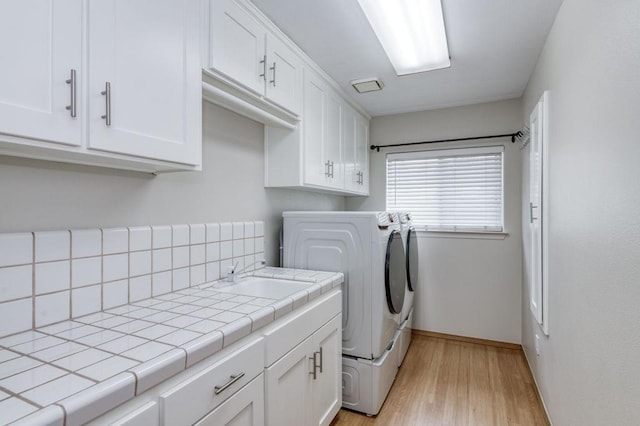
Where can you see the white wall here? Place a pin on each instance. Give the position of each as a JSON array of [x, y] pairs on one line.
[[588, 371], [39, 195], [468, 287]]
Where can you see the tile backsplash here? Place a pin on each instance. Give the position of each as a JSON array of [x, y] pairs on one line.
[[47, 277]]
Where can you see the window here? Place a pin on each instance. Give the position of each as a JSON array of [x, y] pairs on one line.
[[448, 190]]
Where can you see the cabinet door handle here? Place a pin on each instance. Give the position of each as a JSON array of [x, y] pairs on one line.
[[314, 358], [107, 96], [232, 379], [72, 82], [331, 166], [273, 68], [264, 68], [321, 358], [327, 168], [531, 217]]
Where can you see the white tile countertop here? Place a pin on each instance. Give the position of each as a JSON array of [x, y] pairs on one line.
[[73, 371]]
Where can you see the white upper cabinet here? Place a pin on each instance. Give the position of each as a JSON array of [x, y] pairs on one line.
[[144, 79], [237, 45], [126, 93], [349, 125], [316, 165], [41, 49], [315, 137], [355, 135], [322, 134], [245, 51], [329, 154], [362, 155], [283, 75]]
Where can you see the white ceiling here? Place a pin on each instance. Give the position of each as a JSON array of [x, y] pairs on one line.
[[493, 44]]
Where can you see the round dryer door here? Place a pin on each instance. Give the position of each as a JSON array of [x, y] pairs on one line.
[[395, 273], [412, 259]]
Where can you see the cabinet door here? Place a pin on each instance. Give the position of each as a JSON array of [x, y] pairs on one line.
[[41, 43], [145, 93], [327, 388], [362, 153], [244, 408], [351, 168], [237, 45], [316, 167], [333, 141], [284, 75], [288, 388]]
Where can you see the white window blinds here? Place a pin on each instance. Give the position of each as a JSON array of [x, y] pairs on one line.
[[448, 190]]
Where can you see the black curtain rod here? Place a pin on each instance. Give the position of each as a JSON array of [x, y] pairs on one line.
[[512, 135]]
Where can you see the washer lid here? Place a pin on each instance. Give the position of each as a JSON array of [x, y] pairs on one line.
[[412, 259], [395, 273]]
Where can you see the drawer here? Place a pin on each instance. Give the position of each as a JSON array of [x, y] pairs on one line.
[[147, 415], [245, 407], [195, 397], [300, 324]]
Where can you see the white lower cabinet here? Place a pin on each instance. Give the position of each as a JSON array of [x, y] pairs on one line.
[[288, 373], [303, 387], [244, 408]]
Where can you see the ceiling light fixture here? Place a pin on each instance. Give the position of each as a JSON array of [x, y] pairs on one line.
[[411, 33]]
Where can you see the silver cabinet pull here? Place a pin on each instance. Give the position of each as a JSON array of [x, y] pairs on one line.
[[327, 167], [264, 68], [321, 358], [331, 168], [359, 180], [107, 94], [531, 217], [232, 379], [273, 68], [72, 82], [314, 358]]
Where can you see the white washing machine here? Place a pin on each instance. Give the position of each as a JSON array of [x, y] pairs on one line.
[[410, 242], [367, 248]]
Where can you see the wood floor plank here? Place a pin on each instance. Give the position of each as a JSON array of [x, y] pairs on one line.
[[452, 383]]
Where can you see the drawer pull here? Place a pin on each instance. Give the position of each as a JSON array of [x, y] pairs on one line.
[[314, 358], [219, 389]]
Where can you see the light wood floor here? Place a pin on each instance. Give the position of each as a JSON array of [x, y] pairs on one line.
[[446, 382]]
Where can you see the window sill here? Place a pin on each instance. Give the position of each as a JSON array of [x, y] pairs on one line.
[[463, 235]]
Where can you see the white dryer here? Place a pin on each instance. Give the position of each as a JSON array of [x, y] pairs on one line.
[[367, 248], [410, 241]]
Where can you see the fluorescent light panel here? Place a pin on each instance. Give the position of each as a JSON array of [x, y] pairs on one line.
[[411, 33]]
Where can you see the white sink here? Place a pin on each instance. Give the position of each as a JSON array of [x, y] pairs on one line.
[[263, 287]]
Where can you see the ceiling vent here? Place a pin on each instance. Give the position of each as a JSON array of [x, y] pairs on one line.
[[367, 85]]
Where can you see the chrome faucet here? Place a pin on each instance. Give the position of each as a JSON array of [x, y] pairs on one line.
[[232, 270]]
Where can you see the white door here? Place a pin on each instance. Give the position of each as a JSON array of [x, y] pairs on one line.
[[284, 75], [333, 141], [538, 290], [145, 93], [316, 166], [362, 154], [288, 387], [351, 181], [40, 45], [238, 45], [244, 408], [327, 387]]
